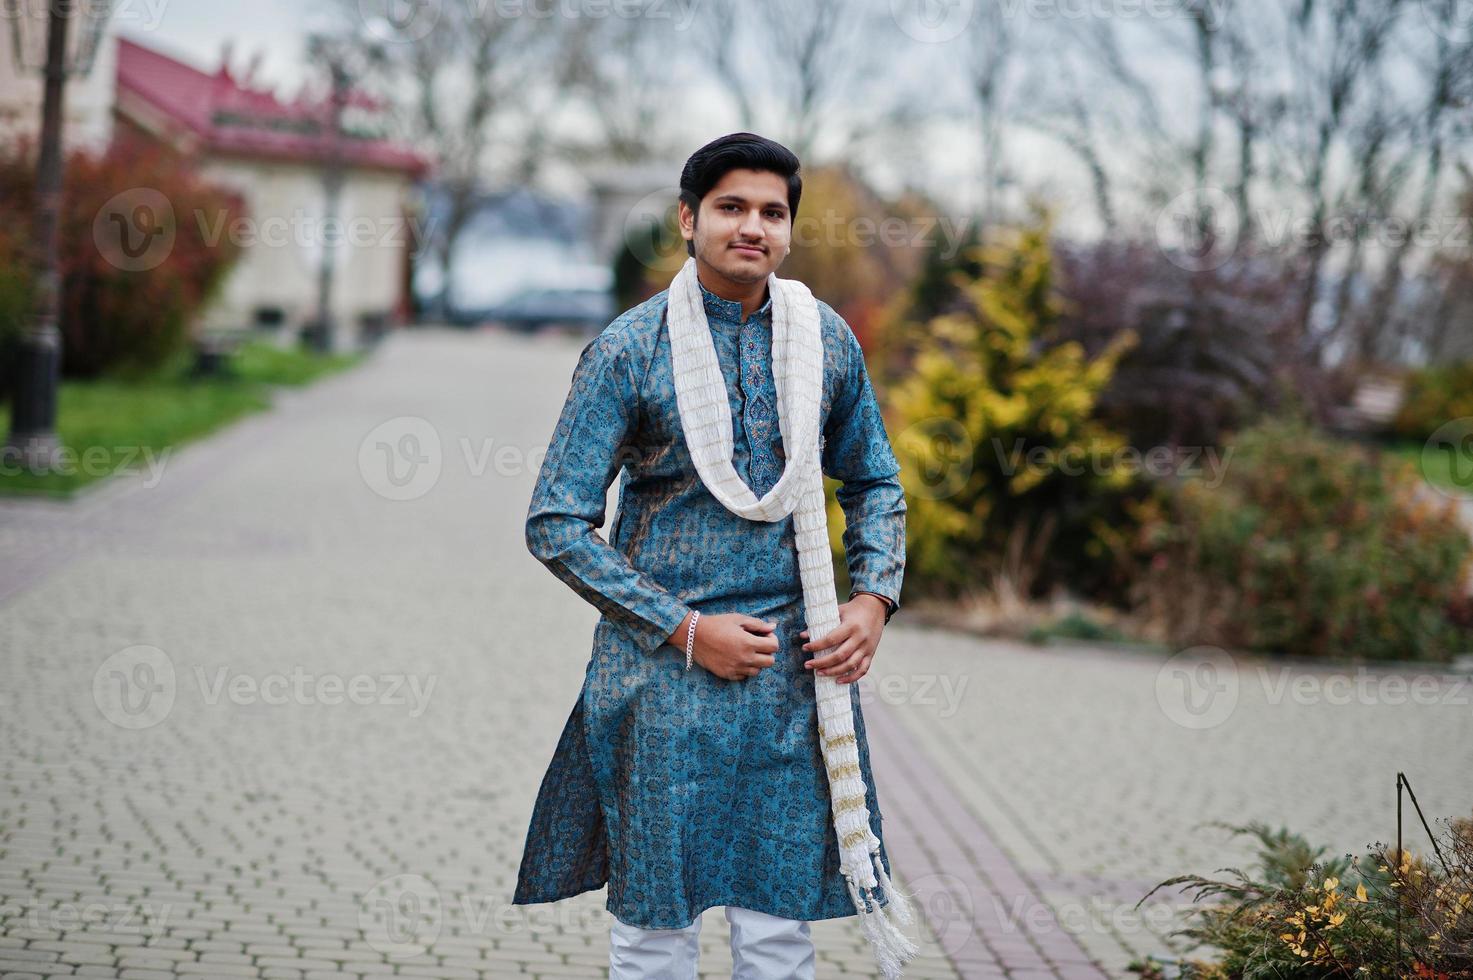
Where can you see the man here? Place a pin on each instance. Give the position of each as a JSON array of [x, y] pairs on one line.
[[687, 788]]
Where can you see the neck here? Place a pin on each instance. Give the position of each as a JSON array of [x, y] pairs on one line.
[[750, 294]]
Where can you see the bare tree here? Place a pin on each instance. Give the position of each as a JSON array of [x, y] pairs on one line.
[[1335, 51], [621, 70], [991, 46], [458, 77], [718, 37], [811, 47], [1246, 98], [1442, 70], [1366, 203], [1072, 119]]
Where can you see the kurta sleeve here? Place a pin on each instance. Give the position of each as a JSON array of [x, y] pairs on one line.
[[857, 452], [587, 450]]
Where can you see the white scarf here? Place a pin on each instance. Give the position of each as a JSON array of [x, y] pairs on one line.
[[705, 418]]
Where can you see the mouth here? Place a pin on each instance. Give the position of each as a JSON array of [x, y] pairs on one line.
[[750, 249]]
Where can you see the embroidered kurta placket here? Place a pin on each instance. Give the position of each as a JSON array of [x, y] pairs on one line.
[[681, 790], [759, 413]]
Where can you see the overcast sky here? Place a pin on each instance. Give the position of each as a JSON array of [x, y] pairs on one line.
[[197, 30], [945, 155]]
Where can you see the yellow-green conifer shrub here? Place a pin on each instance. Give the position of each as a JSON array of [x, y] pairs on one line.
[[1006, 471]]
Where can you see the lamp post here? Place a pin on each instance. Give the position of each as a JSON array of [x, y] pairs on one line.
[[347, 56], [57, 38]]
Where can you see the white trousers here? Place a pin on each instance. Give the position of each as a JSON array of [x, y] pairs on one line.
[[763, 947]]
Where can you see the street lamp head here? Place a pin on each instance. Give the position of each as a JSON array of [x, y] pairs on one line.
[[30, 27]]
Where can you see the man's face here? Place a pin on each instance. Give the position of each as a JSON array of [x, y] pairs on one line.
[[744, 225]]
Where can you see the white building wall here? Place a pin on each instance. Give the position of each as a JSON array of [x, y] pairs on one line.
[[87, 104], [282, 239]]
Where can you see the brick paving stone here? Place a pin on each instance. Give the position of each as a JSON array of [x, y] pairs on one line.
[[146, 773], [1081, 769]]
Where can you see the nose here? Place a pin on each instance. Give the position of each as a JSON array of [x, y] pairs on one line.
[[751, 227]]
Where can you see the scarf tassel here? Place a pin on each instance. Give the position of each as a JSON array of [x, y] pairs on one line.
[[881, 923]]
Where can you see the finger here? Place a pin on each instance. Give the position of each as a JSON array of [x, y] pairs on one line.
[[855, 658], [838, 635], [857, 673], [826, 663], [761, 660], [826, 660], [855, 662], [855, 666], [767, 644], [758, 625]]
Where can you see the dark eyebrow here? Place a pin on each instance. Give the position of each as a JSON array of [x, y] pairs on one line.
[[742, 200]]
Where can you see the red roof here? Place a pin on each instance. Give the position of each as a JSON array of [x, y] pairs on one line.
[[229, 117]]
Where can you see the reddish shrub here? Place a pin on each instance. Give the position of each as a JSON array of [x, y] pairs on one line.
[[137, 262]]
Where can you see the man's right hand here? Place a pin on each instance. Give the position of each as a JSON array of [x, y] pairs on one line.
[[733, 646]]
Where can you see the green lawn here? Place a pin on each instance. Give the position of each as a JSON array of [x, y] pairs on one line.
[[112, 425], [1436, 467]]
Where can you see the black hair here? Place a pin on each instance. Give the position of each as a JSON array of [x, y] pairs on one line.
[[737, 151]]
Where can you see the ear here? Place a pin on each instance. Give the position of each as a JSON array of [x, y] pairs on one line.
[[687, 219]]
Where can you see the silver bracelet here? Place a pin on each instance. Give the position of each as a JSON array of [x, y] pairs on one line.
[[690, 638]]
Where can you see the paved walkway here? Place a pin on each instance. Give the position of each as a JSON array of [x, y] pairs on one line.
[[283, 714]]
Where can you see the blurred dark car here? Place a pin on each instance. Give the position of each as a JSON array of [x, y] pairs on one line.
[[537, 309]]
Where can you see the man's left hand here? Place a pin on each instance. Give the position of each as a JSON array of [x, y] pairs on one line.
[[852, 643]]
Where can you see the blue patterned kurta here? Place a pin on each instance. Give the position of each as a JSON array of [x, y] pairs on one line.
[[684, 791]]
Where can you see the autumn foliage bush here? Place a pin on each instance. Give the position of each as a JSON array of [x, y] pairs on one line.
[[1303, 545], [1382, 915], [117, 316], [1434, 396]]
